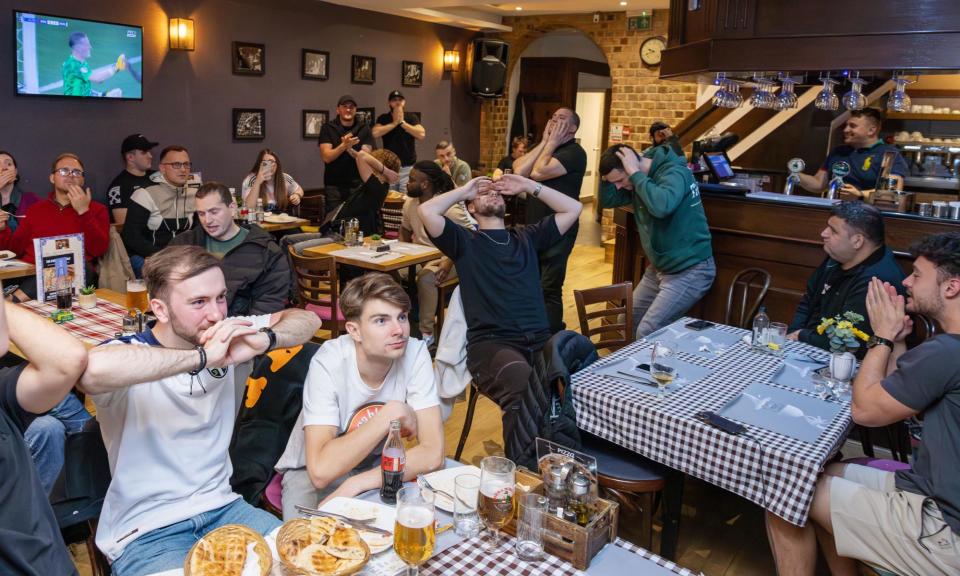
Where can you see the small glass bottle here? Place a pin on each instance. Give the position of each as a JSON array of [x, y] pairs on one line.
[[579, 500], [259, 210], [553, 485], [760, 324]]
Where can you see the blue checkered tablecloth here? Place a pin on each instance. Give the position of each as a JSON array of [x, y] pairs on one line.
[[773, 470]]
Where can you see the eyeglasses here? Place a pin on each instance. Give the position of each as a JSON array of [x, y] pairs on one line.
[[75, 172], [178, 165]]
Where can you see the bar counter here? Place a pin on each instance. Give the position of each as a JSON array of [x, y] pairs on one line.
[[782, 238]]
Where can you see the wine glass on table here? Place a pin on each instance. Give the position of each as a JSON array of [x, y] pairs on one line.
[[661, 365], [414, 533], [498, 480]]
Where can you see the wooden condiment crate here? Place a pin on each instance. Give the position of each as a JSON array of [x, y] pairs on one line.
[[568, 540]]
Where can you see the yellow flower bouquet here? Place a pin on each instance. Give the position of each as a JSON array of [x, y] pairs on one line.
[[843, 332]]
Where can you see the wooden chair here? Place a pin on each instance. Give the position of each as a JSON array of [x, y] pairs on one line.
[[443, 292], [741, 287], [317, 289], [615, 327], [391, 213], [312, 205]]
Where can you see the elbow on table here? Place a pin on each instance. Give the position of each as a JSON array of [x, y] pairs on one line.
[[866, 415]]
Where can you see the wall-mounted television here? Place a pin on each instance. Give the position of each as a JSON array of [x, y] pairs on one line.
[[73, 57]]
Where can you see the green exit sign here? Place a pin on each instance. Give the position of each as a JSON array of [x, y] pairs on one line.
[[642, 22]]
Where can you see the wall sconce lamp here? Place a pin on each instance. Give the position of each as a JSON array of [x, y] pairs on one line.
[[181, 34], [451, 60]]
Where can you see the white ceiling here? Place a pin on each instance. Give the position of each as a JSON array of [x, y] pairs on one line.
[[477, 16]]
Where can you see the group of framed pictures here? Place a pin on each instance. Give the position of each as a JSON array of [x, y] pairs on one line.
[[249, 59]]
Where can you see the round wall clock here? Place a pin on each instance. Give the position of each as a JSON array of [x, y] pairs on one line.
[[651, 51]]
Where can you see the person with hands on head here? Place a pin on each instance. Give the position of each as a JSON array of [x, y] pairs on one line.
[[400, 132], [340, 175], [672, 227], [268, 182], [356, 385], [14, 201], [906, 521], [502, 297], [167, 399], [377, 169], [69, 209]]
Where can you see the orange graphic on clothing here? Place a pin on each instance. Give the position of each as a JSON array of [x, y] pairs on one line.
[[278, 359]]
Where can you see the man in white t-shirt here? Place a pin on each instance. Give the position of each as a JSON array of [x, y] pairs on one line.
[[167, 399], [356, 385]]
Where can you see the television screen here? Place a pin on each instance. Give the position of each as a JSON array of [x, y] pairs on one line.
[[59, 56], [719, 165]]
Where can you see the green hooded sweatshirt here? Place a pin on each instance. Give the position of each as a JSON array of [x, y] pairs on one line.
[[666, 204]]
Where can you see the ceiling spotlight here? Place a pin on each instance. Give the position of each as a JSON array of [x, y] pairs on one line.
[[623, 3], [518, 8]]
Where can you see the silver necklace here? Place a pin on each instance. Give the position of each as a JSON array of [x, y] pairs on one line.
[[507, 243]]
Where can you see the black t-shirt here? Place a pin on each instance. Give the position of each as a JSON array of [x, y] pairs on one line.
[[122, 187], [364, 205], [343, 172], [30, 541], [506, 163], [500, 278], [928, 380], [398, 140], [574, 159]]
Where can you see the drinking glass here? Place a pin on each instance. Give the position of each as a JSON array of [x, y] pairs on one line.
[[776, 337], [414, 533], [661, 367], [137, 295], [466, 519], [530, 512], [826, 99], [854, 99], [498, 480], [899, 100], [787, 98]]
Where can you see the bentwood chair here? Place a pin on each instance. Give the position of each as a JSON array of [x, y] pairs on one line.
[[748, 281], [613, 318], [391, 213], [317, 288]]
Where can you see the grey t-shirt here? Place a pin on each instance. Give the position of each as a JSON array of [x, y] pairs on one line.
[[928, 380]]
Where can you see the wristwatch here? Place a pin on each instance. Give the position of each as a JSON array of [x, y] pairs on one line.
[[537, 189], [272, 336], [878, 341]]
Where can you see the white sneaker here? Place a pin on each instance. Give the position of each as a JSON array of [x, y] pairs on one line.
[[427, 339]]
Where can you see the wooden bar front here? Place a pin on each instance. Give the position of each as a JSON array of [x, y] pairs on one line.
[[783, 239]]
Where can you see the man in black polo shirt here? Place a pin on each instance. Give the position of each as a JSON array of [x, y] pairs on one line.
[[559, 162], [340, 175], [863, 150], [30, 541], [400, 131], [138, 162], [501, 295]]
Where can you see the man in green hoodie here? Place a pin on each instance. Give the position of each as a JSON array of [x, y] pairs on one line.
[[672, 227]]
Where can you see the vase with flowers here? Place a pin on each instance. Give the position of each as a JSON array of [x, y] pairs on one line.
[[844, 338]]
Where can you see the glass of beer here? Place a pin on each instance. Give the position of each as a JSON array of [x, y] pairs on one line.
[[137, 295], [415, 531], [497, 484], [661, 367]]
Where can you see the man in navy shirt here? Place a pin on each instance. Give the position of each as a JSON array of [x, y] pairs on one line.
[[863, 150]]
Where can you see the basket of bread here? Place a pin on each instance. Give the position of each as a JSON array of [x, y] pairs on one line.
[[321, 546], [231, 550]]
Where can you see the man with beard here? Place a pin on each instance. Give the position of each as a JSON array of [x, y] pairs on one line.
[[166, 400], [340, 173], [502, 298], [907, 521]]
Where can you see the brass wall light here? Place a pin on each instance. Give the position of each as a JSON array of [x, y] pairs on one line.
[[181, 34], [451, 60]]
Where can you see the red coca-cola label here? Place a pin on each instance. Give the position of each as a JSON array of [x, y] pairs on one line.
[[392, 464]]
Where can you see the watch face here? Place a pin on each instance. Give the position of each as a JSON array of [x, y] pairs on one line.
[[651, 51]]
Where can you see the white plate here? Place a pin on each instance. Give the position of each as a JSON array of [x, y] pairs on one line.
[[279, 218], [383, 517], [6, 255], [443, 480]]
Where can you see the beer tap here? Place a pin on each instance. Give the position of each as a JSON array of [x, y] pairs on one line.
[[795, 166], [839, 170]]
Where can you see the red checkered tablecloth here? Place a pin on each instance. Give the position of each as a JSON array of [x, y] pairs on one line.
[[93, 325], [468, 558]]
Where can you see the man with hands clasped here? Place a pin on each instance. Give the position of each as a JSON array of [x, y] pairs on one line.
[[167, 399], [400, 131], [340, 175], [907, 521]]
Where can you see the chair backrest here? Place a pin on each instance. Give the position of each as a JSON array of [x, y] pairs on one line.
[[316, 283], [756, 280], [312, 205], [923, 329], [392, 214], [614, 316]]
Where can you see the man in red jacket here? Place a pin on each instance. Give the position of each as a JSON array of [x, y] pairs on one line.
[[68, 210]]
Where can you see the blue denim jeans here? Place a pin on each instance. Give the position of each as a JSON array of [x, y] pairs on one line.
[[45, 437], [136, 262], [166, 548], [401, 185], [661, 298]]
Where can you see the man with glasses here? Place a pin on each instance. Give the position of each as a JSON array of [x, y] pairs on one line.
[[158, 213], [69, 209], [340, 173]]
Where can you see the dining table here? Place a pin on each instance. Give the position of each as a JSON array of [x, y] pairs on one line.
[[13, 268], [399, 255]]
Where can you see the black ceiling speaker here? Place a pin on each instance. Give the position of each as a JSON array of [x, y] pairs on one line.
[[489, 75]]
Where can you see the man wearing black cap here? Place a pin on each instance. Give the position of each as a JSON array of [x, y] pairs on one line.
[[340, 174], [400, 131], [137, 159], [660, 134]]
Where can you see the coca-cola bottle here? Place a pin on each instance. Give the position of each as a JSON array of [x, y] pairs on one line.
[[392, 462]]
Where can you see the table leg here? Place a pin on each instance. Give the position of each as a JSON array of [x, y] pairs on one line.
[[412, 283], [672, 504]]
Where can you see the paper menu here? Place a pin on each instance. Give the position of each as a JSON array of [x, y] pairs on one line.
[[59, 256]]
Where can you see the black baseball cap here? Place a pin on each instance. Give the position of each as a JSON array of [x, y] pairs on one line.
[[136, 142], [395, 94], [346, 98]]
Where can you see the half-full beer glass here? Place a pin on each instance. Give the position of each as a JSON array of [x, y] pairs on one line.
[[497, 484], [137, 295], [414, 533]]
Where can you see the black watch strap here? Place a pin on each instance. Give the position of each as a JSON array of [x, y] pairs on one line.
[[879, 341], [272, 336]]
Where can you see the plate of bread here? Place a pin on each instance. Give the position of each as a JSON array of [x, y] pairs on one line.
[[231, 550], [321, 546]]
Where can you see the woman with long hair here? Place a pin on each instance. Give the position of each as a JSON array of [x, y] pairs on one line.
[[267, 181], [13, 200]]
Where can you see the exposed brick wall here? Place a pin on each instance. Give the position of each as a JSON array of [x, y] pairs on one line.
[[638, 97]]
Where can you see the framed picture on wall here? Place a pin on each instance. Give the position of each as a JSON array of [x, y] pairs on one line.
[[366, 116], [249, 123], [249, 59], [363, 69], [411, 73], [314, 64], [313, 120]]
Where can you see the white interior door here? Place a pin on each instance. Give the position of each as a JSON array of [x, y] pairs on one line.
[[590, 106]]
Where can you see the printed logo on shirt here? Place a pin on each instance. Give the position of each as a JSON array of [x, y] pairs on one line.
[[217, 372], [363, 415], [113, 196], [826, 288], [867, 162]]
